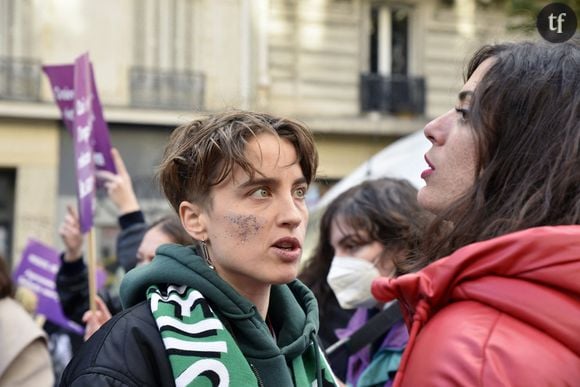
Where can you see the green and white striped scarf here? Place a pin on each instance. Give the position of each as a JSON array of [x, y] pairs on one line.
[[203, 353]]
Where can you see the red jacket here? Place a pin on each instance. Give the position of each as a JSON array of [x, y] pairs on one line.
[[503, 312]]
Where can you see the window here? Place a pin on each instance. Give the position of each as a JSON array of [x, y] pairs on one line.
[[7, 185], [163, 74], [19, 72], [389, 40], [387, 86]]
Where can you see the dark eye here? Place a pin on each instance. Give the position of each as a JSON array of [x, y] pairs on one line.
[[464, 113], [353, 247]]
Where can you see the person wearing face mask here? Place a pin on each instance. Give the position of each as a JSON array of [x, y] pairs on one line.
[[362, 233]]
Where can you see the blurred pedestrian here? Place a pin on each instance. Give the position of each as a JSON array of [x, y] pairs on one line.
[[498, 303], [72, 278], [120, 190], [165, 230], [24, 357]]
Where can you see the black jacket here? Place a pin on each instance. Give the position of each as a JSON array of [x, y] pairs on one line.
[[129, 351], [126, 351]]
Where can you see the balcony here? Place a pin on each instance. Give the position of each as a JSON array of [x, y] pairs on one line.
[[396, 94], [19, 79], [162, 89]]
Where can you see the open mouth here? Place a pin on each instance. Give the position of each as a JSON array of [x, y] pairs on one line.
[[429, 163], [287, 244]]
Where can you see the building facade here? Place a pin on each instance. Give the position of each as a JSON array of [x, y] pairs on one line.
[[360, 73]]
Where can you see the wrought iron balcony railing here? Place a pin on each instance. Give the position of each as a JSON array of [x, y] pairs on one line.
[[396, 94], [19, 79], [162, 89]]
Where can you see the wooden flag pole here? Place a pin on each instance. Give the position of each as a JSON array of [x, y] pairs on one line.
[[92, 266]]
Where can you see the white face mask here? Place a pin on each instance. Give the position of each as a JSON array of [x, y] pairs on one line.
[[350, 278]]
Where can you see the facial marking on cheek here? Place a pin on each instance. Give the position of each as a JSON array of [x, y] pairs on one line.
[[246, 226]]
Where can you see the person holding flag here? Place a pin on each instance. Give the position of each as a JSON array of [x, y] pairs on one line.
[[136, 243]]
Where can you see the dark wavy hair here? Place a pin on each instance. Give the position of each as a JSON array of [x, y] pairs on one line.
[[525, 115], [385, 209]]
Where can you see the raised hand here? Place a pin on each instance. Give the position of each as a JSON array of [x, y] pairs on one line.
[[119, 186], [71, 235], [95, 320]]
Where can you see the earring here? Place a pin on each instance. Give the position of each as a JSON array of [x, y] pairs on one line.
[[205, 254]]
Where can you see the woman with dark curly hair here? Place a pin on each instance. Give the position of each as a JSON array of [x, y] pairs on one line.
[[362, 233]]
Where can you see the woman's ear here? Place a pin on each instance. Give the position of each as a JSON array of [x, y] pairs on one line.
[[192, 219]]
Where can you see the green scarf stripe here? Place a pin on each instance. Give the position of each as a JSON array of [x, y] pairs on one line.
[[327, 373], [300, 377], [213, 360], [305, 371]]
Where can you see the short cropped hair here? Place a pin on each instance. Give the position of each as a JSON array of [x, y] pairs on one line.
[[203, 153]]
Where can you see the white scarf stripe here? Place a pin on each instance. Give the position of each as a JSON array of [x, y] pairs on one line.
[[183, 345], [185, 304], [201, 326], [201, 366]]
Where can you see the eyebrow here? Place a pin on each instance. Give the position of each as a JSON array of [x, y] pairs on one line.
[[354, 237], [267, 181], [464, 95]]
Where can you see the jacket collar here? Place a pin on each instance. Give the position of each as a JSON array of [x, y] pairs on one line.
[[293, 308], [532, 275]]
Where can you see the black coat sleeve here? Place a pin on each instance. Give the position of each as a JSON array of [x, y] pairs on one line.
[[72, 286], [73, 289], [133, 228], [126, 351]]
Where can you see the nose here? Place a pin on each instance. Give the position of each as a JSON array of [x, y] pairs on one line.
[[291, 212], [436, 130]]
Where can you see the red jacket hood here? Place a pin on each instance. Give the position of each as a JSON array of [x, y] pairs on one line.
[[532, 275]]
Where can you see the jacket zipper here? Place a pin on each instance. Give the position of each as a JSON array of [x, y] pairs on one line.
[[260, 383]]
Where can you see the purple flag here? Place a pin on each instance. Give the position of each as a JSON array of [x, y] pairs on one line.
[[37, 272], [82, 138], [61, 79]]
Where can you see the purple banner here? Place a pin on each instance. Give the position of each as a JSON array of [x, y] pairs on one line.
[[61, 79], [37, 272], [82, 138]]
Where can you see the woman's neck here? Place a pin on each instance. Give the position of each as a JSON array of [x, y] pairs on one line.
[[259, 297], [256, 293]]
